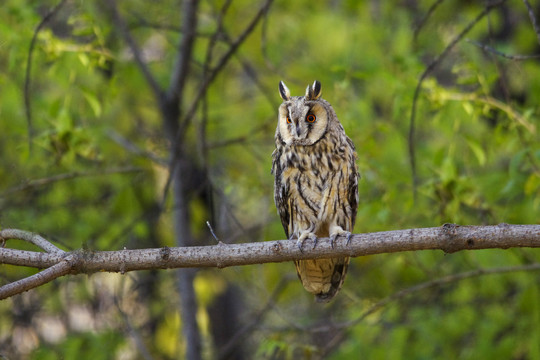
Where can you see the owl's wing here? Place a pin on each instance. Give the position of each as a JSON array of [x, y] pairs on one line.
[[281, 193], [354, 176]]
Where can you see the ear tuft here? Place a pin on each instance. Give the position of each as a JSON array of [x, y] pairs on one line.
[[284, 91], [316, 90], [313, 92]]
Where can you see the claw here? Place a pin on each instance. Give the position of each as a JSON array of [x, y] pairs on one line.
[[303, 237], [348, 239], [314, 241], [338, 231], [333, 240], [300, 243]]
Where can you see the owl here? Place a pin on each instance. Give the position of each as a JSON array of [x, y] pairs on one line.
[[315, 183]]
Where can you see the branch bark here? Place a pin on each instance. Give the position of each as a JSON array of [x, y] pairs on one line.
[[448, 238]]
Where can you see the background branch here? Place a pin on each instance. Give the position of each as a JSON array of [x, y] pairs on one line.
[[500, 53], [28, 73], [427, 71], [534, 22], [125, 33]]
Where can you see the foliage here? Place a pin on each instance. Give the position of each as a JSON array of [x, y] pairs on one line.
[[477, 153]]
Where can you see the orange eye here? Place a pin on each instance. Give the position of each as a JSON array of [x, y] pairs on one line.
[[311, 118], [289, 120]]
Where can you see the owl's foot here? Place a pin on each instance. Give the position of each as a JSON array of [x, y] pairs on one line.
[[339, 232], [306, 235]]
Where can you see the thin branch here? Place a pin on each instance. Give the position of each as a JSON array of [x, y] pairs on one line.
[[67, 176], [499, 53], [223, 61], [31, 238], [28, 73], [427, 71], [449, 238], [533, 19], [399, 295], [488, 100], [133, 148], [256, 319], [424, 19], [60, 269], [124, 31], [133, 333]]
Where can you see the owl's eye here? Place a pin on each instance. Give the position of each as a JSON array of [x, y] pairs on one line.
[[311, 118], [288, 120]]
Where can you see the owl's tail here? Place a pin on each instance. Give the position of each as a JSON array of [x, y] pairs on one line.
[[322, 277]]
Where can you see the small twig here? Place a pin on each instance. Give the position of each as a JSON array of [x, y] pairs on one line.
[[253, 74], [494, 103], [533, 19], [32, 238], [423, 76], [212, 231], [131, 147], [28, 73], [497, 52]]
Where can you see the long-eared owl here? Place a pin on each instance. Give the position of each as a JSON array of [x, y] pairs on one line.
[[316, 183]]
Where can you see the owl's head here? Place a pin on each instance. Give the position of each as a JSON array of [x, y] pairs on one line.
[[303, 120]]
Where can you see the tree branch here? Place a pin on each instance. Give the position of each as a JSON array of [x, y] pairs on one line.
[[59, 269], [533, 19], [30, 184], [449, 238], [28, 73], [427, 71], [212, 74], [124, 31], [500, 53], [181, 68], [31, 238]]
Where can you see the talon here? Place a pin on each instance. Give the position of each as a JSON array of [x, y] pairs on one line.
[[303, 237], [349, 235], [333, 240], [314, 241], [300, 243]]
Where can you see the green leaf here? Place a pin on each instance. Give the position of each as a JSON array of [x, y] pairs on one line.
[[93, 102], [478, 151]]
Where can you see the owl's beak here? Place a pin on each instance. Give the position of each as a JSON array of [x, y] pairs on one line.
[[298, 129]]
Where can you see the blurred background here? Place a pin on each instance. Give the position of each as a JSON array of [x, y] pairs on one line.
[[85, 151]]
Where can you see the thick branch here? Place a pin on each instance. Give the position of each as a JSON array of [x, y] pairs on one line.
[[449, 238]]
